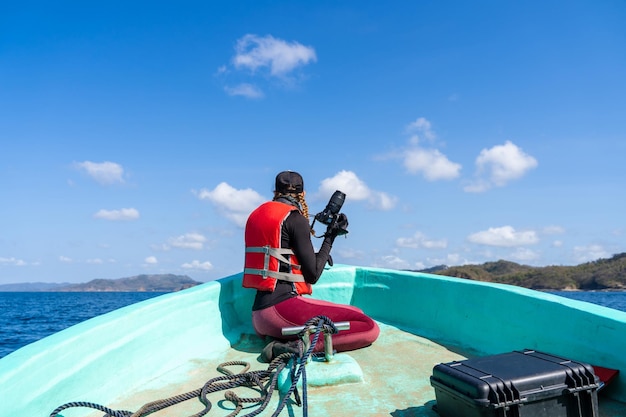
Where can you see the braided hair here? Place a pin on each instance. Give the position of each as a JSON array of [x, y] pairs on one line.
[[298, 198]]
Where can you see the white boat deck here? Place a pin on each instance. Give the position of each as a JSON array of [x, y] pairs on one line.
[[396, 382]]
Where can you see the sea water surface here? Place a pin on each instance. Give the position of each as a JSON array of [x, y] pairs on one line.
[[26, 317], [611, 299]]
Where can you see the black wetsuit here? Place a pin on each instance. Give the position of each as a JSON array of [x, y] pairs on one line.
[[296, 235]]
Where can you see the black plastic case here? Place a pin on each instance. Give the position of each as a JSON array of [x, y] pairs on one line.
[[524, 383]]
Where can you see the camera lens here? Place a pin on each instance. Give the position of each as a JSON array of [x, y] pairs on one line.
[[336, 201]]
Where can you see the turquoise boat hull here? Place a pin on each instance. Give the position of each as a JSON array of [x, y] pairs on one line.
[[132, 355]]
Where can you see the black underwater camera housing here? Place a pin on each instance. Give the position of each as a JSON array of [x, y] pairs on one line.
[[329, 215]]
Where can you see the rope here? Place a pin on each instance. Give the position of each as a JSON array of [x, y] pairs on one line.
[[108, 411], [320, 323], [263, 382]]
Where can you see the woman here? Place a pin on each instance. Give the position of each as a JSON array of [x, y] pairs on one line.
[[282, 266]]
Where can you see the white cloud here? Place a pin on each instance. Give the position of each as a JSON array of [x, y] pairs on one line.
[[524, 255], [95, 261], [272, 58], [115, 215], [350, 253], [234, 204], [393, 262], [421, 241], [553, 230], [431, 163], [104, 173], [421, 126], [281, 57], [382, 200], [590, 253], [151, 260], [450, 259], [417, 266], [12, 261], [195, 264], [505, 236], [478, 185], [65, 259], [496, 166], [348, 182], [187, 241], [244, 90], [355, 189]]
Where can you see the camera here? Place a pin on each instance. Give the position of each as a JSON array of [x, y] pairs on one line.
[[332, 208], [330, 215]]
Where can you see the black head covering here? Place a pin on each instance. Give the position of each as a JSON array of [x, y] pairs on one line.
[[289, 182]]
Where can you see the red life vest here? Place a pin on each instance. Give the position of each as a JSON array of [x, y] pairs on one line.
[[264, 253]]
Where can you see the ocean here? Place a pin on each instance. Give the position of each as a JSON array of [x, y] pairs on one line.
[[611, 299], [26, 317]]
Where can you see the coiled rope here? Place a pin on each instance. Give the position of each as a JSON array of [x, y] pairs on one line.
[[264, 382]]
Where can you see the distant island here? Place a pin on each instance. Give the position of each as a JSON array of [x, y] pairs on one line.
[[602, 274], [138, 283]]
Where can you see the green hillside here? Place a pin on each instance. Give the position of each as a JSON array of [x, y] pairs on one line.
[[139, 283], [603, 274]]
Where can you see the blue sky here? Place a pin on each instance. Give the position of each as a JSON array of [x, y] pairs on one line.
[[137, 136]]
